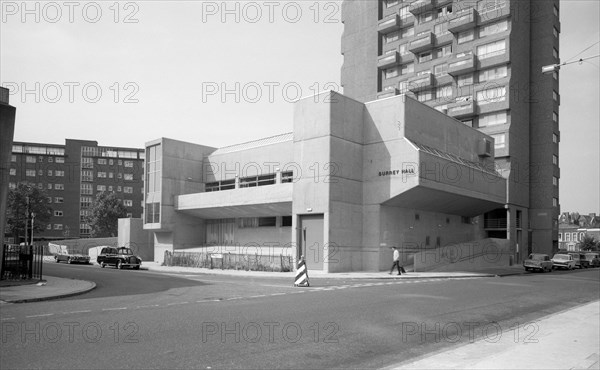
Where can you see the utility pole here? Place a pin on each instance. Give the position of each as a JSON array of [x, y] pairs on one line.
[[26, 217]]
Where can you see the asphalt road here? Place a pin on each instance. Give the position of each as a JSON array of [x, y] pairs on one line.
[[265, 323]]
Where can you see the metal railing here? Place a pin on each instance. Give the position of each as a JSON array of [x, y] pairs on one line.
[[22, 262]]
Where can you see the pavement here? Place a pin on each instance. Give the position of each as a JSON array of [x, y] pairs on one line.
[[566, 340]]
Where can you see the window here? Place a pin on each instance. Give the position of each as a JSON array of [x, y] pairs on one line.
[[425, 17], [128, 203], [407, 68], [49, 187], [128, 163], [253, 181], [87, 175], [60, 160], [492, 49], [59, 200], [40, 185], [493, 74], [555, 75], [443, 51], [440, 70], [388, 52], [424, 96], [466, 36], [555, 11], [404, 12], [554, 159], [128, 177], [128, 190], [499, 141], [59, 173], [444, 11], [118, 189], [493, 95], [101, 160], [444, 92], [390, 3], [287, 176], [85, 202], [87, 162], [493, 28], [554, 202], [441, 29], [110, 188], [555, 96], [555, 53], [101, 188], [406, 32], [13, 172], [12, 185], [49, 172], [492, 119], [50, 159], [554, 180], [49, 227], [490, 5], [554, 138], [465, 80], [267, 221], [119, 162], [392, 36], [86, 189], [152, 212], [49, 199], [13, 158], [391, 72], [58, 213], [286, 221], [30, 159], [555, 32], [40, 172], [555, 117], [403, 49], [424, 57], [59, 186], [101, 175], [58, 226], [30, 173]]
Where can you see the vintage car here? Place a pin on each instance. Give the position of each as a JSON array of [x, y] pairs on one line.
[[580, 261], [563, 260], [538, 261], [62, 253], [119, 257], [593, 259]]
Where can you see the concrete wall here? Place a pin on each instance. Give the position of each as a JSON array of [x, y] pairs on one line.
[[7, 129], [82, 246], [133, 235]]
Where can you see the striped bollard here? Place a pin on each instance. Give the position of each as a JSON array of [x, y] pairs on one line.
[[301, 274]]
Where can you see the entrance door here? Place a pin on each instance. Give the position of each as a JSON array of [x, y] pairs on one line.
[[311, 241]]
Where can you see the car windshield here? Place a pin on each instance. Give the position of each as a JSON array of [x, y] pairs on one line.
[[537, 257], [561, 257], [125, 251]]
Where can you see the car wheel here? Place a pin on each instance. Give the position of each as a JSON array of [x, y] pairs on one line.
[[69, 261], [119, 265], [56, 259], [103, 265]]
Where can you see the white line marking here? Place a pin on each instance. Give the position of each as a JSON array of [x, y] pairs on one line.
[[82, 311], [234, 298], [42, 315], [176, 303], [278, 294], [114, 309], [258, 296], [7, 318], [148, 306]]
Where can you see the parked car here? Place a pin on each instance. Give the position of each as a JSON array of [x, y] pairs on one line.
[[118, 257], [580, 261], [538, 261], [62, 253], [593, 259], [565, 261]]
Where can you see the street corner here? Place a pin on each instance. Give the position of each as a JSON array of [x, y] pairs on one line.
[[51, 288]]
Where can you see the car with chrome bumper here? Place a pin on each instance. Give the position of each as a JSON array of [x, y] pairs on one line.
[[565, 261], [118, 257], [538, 261]]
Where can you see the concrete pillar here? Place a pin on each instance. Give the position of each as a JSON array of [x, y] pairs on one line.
[[7, 130]]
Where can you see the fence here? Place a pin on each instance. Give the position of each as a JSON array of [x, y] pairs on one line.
[[229, 261], [22, 262]]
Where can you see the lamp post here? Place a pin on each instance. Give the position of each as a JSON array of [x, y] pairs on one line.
[[32, 219]]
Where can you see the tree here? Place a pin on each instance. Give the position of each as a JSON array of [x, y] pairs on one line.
[[588, 243], [23, 201], [104, 215]]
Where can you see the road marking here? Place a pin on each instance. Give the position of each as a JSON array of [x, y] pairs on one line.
[[148, 306], [41, 315], [278, 294], [176, 303], [82, 311], [7, 318], [257, 296], [114, 309], [234, 298]]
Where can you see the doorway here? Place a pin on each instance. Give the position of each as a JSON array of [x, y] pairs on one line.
[[311, 241]]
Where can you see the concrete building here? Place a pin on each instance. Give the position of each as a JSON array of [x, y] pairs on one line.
[[7, 130], [72, 174], [352, 180], [479, 62]]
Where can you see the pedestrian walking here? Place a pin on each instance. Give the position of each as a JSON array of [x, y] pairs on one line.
[[397, 262]]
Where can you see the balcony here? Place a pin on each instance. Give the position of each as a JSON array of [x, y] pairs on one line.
[[493, 12], [421, 43], [389, 24], [463, 21], [461, 109], [462, 65], [388, 60], [421, 6], [421, 82]]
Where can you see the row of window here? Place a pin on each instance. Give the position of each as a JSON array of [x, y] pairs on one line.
[[87, 162], [94, 151], [576, 236], [247, 182], [86, 202], [88, 175], [34, 173], [40, 159], [88, 189]]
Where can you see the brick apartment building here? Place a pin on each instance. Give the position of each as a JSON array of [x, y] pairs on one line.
[[72, 174]]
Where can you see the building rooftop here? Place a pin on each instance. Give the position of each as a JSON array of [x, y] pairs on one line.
[[255, 143]]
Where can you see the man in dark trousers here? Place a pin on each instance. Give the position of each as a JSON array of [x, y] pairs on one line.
[[397, 262]]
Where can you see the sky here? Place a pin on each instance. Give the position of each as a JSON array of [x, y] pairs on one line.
[[219, 73]]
